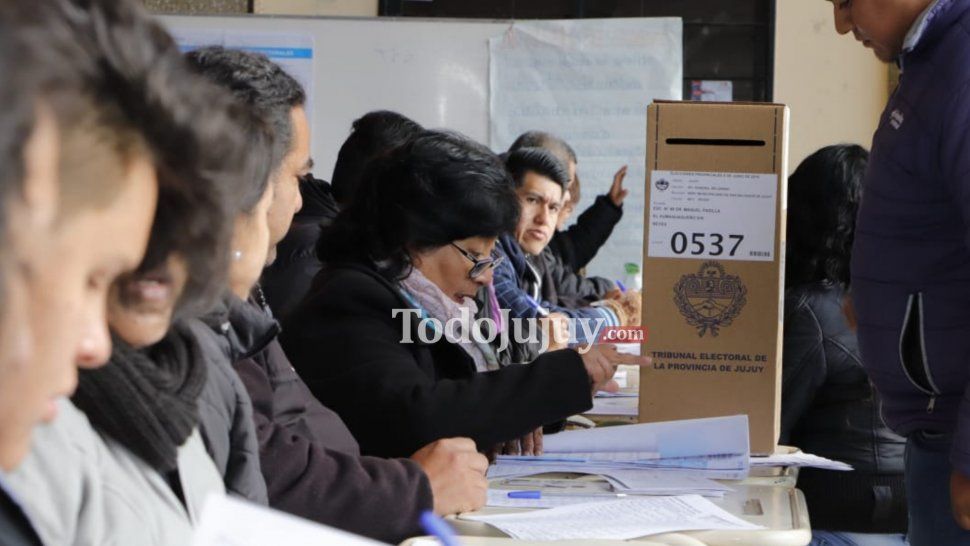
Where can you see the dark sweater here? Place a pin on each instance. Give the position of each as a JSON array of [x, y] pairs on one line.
[[312, 464], [288, 279], [397, 397], [577, 245]]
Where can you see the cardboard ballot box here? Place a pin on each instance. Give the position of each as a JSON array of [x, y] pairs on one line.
[[713, 263]]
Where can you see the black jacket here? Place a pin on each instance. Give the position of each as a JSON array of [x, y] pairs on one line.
[[564, 287], [15, 528], [288, 278], [397, 397], [830, 409], [578, 244], [311, 462]]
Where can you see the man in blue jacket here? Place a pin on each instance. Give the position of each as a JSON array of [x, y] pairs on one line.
[[911, 256]]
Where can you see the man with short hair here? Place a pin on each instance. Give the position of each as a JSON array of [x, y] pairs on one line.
[[911, 259], [520, 284], [574, 247]]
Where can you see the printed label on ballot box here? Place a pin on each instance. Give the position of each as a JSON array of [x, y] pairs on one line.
[[727, 216]]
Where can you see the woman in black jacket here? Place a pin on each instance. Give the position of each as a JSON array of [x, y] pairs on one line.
[[417, 240], [828, 406]]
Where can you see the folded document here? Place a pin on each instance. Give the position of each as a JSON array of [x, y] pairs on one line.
[[715, 448]]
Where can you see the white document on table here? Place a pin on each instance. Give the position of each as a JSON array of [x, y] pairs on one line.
[[634, 482], [620, 519], [500, 498], [716, 446], [684, 438], [227, 521], [800, 460]]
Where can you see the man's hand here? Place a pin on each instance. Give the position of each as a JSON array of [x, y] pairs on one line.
[[960, 498], [456, 471], [555, 327], [601, 362], [617, 192]]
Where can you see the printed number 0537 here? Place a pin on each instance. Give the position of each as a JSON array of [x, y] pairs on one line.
[[712, 244]]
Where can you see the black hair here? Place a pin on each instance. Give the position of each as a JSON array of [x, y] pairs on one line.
[[540, 139], [438, 188], [118, 85], [538, 161], [823, 198], [372, 134], [259, 83]]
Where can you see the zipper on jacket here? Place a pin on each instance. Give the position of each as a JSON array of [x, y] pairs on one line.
[[912, 350]]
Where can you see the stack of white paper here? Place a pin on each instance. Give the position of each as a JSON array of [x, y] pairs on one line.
[[800, 460], [714, 448], [621, 519], [226, 521], [618, 483]]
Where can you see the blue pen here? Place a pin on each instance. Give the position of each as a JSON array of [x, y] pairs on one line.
[[535, 494], [525, 494], [620, 285], [436, 527]]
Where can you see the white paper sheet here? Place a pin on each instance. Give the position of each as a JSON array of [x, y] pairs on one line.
[[615, 406], [499, 498], [620, 519], [227, 521], [629, 481], [801, 460], [685, 438], [589, 81]]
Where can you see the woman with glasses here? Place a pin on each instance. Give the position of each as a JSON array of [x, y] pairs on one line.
[[416, 243]]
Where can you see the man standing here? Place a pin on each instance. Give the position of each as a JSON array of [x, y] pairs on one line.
[[911, 259]]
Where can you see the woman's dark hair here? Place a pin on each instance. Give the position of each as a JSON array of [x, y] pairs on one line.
[[823, 198], [539, 161], [438, 188], [373, 134]]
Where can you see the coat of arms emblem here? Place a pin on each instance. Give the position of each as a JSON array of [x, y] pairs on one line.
[[710, 299]]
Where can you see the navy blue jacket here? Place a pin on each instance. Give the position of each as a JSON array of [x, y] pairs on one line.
[[911, 259]]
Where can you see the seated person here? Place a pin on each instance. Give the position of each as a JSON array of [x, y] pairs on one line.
[[75, 172], [579, 289], [310, 461], [416, 242], [522, 283], [286, 281], [578, 245], [829, 408], [99, 484]]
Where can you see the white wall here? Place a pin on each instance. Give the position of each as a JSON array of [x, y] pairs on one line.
[[835, 88]]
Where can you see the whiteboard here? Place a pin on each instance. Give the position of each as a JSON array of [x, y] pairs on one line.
[[434, 73]]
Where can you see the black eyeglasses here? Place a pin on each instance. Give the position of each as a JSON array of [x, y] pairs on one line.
[[479, 266]]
